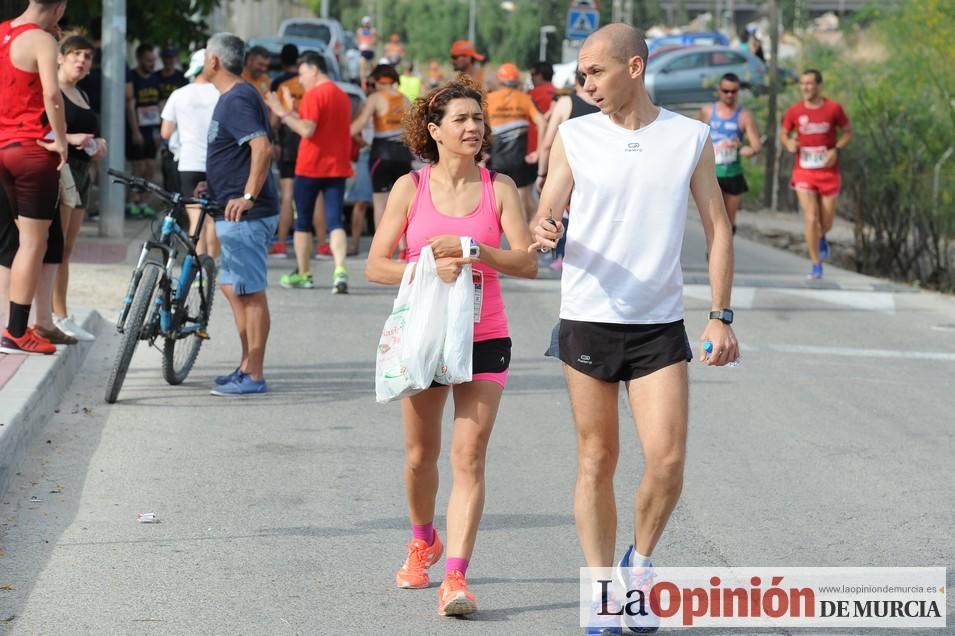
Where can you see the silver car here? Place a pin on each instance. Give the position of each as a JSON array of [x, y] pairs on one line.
[[690, 75]]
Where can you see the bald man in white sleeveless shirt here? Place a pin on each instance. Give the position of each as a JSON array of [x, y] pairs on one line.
[[626, 173]]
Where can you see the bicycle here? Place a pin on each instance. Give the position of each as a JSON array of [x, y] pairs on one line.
[[160, 303]]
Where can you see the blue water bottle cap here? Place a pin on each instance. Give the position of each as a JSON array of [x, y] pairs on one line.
[[708, 346]]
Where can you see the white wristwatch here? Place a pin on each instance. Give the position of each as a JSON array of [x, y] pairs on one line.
[[248, 196]]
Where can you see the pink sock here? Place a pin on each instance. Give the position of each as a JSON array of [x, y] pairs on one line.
[[424, 532], [455, 563]]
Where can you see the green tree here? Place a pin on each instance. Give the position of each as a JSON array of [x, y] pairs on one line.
[[178, 22]]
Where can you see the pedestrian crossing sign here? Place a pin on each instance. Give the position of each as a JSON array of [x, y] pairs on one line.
[[582, 20]]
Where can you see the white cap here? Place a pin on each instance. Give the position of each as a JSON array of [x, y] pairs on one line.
[[196, 62], [366, 20]]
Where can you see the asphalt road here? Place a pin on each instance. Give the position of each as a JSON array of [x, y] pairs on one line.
[[284, 514]]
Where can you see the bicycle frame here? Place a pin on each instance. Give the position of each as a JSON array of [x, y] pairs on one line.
[[173, 240]]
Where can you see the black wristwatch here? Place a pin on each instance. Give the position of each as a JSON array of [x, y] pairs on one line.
[[724, 315]]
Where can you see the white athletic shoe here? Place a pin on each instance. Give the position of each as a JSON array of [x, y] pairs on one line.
[[70, 328]]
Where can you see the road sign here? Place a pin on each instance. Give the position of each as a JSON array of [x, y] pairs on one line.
[[582, 19]]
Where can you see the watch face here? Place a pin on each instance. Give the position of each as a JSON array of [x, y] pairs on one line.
[[727, 316]]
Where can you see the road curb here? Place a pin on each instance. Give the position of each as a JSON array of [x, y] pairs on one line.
[[31, 395]]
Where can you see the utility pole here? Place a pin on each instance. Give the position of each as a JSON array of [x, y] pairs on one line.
[[325, 4], [113, 100], [472, 16], [628, 12], [616, 14], [770, 185]]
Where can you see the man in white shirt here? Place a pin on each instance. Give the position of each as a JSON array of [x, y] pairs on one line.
[[186, 116], [627, 172]]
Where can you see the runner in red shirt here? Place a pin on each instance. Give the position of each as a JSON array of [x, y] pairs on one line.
[[322, 166], [816, 177], [32, 150]]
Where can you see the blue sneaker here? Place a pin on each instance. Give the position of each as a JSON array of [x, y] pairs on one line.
[[816, 273], [632, 578], [602, 624], [229, 377], [823, 248], [243, 385]]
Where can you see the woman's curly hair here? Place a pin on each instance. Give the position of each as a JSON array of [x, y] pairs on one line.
[[431, 108]]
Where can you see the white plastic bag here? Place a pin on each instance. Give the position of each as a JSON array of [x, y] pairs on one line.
[[423, 342], [455, 367], [391, 381]]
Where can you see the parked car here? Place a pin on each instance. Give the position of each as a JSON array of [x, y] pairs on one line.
[[274, 46], [329, 31], [690, 75], [704, 38]]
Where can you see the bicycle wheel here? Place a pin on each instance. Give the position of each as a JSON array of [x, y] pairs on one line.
[[180, 353], [143, 298]]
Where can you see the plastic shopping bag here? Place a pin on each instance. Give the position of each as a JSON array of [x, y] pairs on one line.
[[427, 318], [455, 367], [391, 381]]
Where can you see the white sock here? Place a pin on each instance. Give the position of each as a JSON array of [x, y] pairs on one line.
[[639, 561]]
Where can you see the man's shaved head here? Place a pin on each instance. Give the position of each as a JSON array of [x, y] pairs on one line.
[[622, 41]]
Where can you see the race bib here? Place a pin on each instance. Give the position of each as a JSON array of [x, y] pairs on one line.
[[478, 277], [726, 153], [148, 116], [812, 157]]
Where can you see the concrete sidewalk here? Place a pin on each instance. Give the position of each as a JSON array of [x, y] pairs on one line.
[[31, 387]]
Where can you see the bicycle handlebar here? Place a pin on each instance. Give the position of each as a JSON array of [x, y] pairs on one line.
[[174, 198]]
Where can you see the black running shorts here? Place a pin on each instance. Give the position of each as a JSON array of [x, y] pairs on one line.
[[622, 352]]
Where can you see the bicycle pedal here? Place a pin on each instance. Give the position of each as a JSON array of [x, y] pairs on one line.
[[203, 335]]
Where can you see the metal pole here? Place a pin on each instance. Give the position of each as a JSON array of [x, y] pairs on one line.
[[770, 187], [472, 15], [113, 100], [325, 4], [543, 49], [937, 179]]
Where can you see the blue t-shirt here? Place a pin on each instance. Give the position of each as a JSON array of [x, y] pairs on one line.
[[239, 117]]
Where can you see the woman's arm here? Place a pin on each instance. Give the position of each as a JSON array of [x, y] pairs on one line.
[[381, 268], [367, 111]]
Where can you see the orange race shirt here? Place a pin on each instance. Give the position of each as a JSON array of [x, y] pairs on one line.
[[388, 126], [262, 85], [327, 153], [511, 112]]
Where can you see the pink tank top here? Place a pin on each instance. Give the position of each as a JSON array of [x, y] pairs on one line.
[[483, 224]]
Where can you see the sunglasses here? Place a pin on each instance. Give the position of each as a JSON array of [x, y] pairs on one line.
[[729, 91]]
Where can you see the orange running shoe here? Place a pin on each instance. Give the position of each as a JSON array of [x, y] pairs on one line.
[[453, 596], [413, 575], [30, 343]]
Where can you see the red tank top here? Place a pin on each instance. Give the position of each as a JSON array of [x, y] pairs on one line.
[[22, 112]]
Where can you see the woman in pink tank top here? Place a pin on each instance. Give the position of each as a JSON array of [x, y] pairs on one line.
[[453, 197]]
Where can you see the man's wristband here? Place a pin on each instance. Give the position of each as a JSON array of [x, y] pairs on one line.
[[542, 176], [288, 114]]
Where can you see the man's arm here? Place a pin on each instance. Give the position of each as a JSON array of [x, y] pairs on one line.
[[554, 198], [719, 239], [558, 115], [261, 162], [167, 129], [282, 107], [46, 61]]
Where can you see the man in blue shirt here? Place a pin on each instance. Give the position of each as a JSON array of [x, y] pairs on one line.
[[239, 178]]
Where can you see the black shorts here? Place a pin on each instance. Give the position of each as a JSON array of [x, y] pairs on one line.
[[523, 174], [622, 352], [287, 169], [148, 150], [733, 185], [385, 173], [80, 169], [489, 356], [188, 182], [368, 55], [10, 236]]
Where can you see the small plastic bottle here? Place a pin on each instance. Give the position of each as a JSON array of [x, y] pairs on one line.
[[708, 349]]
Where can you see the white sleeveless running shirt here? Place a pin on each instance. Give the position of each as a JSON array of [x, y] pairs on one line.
[[628, 215]]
